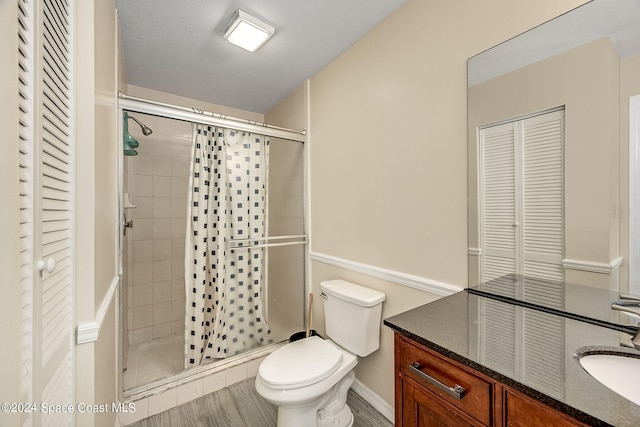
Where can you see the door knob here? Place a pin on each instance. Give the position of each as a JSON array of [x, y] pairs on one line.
[[49, 264]]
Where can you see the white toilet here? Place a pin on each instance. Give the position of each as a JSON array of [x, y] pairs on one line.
[[308, 379]]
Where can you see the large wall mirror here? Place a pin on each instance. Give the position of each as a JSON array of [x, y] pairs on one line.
[[549, 132]]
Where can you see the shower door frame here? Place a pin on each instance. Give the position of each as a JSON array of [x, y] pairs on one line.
[[138, 105]]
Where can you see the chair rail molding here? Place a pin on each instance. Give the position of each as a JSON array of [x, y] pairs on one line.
[[591, 266], [417, 282], [87, 332]]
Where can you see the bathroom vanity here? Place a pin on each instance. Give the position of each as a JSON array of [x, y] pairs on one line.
[[480, 358], [482, 401]]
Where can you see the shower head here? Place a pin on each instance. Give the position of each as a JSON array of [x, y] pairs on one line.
[[146, 130]]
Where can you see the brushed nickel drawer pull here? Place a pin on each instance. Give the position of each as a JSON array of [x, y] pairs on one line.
[[456, 391]]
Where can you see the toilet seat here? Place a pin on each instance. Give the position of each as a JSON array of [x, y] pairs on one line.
[[300, 363]]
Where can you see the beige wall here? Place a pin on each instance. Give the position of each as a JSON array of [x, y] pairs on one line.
[[85, 210], [96, 203], [584, 80], [106, 147], [105, 365], [292, 111], [629, 86], [388, 149]]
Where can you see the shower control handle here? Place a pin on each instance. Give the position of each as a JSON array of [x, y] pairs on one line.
[[127, 224]]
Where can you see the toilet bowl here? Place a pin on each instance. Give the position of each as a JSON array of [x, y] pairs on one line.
[[309, 379], [304, 377]]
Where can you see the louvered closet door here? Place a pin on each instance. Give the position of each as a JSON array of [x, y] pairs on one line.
[[47, 181], [26, 144], [543, 195], [543, 248], [522, 197], [498, 200]]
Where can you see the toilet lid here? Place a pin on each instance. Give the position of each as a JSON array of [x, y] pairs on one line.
[[300, 363]]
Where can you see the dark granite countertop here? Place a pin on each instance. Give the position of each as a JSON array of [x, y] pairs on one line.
[[527, 349]]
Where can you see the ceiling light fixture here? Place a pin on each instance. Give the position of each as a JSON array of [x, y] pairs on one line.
[[247, 32]]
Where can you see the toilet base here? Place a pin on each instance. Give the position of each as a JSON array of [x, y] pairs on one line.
[[345, 419], [329, 411], [291, 417], [337, 413]]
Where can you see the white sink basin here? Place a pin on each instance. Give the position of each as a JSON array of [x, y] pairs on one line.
[[619, 370]]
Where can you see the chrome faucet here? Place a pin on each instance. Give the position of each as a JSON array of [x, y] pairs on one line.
[[630, 305]]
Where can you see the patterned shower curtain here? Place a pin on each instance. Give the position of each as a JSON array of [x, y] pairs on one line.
[[227, 201]]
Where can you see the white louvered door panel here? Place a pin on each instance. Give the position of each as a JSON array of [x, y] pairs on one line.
[[542, 358], [498, 201], [26, 149], [543, 195], [499, 329], [543, 248], [50, 142]]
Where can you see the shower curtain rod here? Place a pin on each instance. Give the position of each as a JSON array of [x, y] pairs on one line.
[[155, 108]]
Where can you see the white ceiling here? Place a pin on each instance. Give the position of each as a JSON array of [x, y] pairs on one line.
[[176, 46]]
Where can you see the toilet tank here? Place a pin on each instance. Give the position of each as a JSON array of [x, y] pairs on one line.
[[352, 315]]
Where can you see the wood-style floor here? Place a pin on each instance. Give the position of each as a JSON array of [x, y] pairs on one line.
[[241, 406]]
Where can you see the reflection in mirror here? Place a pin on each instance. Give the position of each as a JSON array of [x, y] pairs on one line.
[[548, 128], [585, 303], [526, 345]]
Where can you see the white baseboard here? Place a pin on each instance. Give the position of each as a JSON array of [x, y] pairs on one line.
[[373, 399]]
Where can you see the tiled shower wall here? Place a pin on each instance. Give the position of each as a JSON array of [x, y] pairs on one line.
[[157, 183]]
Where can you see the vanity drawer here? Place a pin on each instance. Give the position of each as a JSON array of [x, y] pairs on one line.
[[522, 411], [440, 377]]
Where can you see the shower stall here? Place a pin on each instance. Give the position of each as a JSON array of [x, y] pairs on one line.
[[262, 248]]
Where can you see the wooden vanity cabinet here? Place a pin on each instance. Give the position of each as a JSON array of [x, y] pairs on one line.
[[522, 411], [432, 390]]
